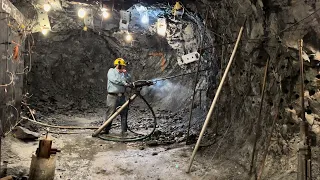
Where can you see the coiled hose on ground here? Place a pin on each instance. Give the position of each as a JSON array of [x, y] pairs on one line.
[[108, 138], [140, 136]]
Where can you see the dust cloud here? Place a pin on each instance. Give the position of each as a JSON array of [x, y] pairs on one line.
[[168, 94]]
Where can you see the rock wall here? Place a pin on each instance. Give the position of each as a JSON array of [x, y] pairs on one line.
[[267, 36], [70, 70], [70, 65], [11, 74]]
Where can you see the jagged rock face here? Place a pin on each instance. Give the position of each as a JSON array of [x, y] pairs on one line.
[[68, 55], [238, 106], [265, 37], [268, 19], [68, 70]]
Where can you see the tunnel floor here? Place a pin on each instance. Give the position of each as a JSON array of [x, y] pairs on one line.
[[163, 156], [85, 157]]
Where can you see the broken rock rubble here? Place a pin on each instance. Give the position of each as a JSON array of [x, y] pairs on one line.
[[25, 134]]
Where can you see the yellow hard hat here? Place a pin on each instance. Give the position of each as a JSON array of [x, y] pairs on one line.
[[120, 61], [177, 6]]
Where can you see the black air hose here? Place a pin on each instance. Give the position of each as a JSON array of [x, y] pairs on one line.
[[140, 136]]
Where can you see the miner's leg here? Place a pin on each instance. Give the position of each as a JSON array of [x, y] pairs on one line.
[[124, 115], [111, 108]]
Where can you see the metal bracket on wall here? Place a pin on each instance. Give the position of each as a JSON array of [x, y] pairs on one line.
[[43, 21], [124, 20], [88, 20], [55, 4], [162, 26], [189, 58], [43, 18]]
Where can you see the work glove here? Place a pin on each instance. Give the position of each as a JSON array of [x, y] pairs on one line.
[[130, 85]]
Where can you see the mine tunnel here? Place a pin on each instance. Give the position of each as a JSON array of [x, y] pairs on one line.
[[159, 90]]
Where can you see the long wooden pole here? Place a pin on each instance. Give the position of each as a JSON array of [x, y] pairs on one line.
[[304, 154], [114, 115], [215, 99]]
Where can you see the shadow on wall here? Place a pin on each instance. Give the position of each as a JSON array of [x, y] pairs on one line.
[[167, 95]]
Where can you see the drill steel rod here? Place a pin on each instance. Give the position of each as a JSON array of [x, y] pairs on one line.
[[303, 117], [114, 115], [175, 76], [266, 150], [258, 127], [304, 154], [215, 99]]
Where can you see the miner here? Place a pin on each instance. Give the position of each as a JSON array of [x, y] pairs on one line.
[[118, 80]]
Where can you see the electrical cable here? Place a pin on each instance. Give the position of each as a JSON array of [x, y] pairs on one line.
[[285, 29], [129, 129], [27, 69], [196, 80], [11, 128], [11, 81], [57, 126], [30, 54], [33, 120]]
